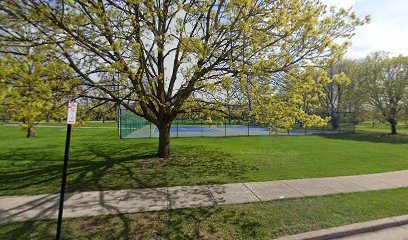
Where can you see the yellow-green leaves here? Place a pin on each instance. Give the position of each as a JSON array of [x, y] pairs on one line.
[[341, 79], [33, 85], [226, 83], [249, 57]]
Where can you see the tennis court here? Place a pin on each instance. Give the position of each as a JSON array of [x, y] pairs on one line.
[[132, 126], [200, 131]]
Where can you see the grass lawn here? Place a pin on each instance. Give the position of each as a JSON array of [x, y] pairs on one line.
[[99, 161], [381, 128], [246, 221], [112, 124]]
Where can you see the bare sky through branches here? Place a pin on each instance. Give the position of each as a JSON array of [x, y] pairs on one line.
[[388, 30]]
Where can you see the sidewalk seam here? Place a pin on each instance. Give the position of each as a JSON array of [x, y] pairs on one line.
[[336, 192], [284, 183], [167, 198], [212, 196], [395, 186], [121, 198], [365, 189], [367, 177], [252, 192]]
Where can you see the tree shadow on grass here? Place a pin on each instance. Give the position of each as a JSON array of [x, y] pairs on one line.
[[28, 230], [196, 223], [104, 167], [42, 172], [369, 137]]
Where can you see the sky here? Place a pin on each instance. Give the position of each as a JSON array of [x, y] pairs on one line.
[[387, 31]]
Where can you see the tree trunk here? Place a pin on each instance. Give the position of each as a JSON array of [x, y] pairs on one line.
[[335, 124], [164, 140], [393, 126], [334, 121], [30, 132]]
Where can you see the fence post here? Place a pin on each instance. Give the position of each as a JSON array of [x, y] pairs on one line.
[[225, 128], [354, 122], [177, 127], [119, 131], [339, 122]]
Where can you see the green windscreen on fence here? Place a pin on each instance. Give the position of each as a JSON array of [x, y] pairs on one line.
[[130, 123], [133, 126]]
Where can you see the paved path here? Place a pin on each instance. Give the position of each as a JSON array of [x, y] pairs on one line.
[[395, 228], [21, 208]]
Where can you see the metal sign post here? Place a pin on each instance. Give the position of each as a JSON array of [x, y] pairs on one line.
[[71, 119]]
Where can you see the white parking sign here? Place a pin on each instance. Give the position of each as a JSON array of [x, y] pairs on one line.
[[72, 109]]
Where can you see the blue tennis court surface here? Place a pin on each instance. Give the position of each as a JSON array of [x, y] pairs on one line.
[[185, 129], [134, 126], [212, 128], [245, 127]]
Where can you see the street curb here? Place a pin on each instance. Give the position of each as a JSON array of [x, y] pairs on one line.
[[350, 230]]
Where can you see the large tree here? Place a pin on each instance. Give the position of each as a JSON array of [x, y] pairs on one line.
[[334, 93], [354, 95], [34, 81], [37, 85], [345, 92], [386, 81], [168, 57]]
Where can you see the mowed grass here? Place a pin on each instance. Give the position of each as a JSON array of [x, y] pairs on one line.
[[381, 128], [265, 220], [100, 161], [110, 124]]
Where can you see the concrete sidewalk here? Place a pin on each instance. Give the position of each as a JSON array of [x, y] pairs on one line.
[[22, 208], [395, 228]]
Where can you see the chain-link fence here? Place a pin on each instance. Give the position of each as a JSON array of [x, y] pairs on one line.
[[133, 126], [130, 123]]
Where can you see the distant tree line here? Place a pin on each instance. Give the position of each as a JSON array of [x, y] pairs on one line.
[[375, 88]]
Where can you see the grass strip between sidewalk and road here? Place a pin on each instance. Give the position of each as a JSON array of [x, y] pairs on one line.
[[263, 220]]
